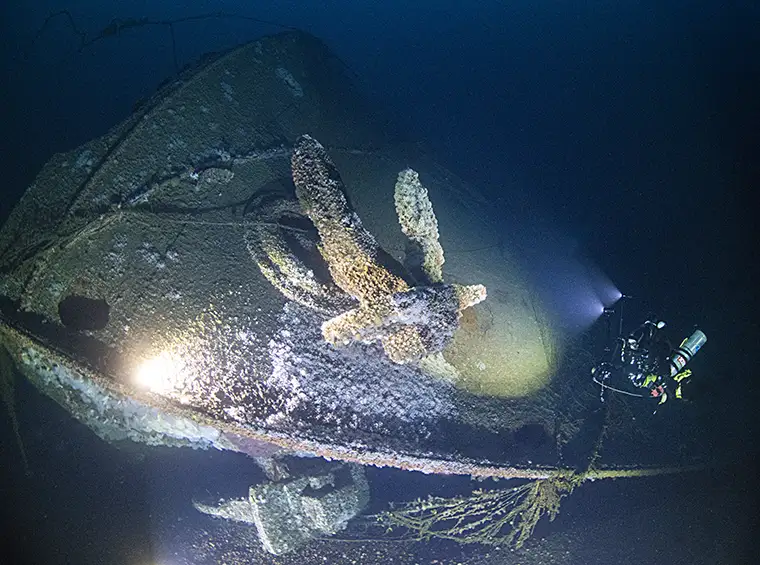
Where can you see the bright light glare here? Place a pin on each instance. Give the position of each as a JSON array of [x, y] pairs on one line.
[[588, 310], [606, 290], [598, 309], [160, 374]]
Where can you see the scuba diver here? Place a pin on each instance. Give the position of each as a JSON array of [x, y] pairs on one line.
[[644, 364]]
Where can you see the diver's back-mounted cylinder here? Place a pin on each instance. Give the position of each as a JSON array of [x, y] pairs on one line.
[[684, 352]]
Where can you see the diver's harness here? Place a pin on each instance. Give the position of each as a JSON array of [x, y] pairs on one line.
[[633, 357]]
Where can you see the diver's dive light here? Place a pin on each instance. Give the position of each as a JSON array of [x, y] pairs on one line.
[[684, 352]]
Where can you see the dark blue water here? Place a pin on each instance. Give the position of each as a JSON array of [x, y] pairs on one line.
[[627, 133]]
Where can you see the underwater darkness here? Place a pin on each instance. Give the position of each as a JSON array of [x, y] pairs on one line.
[[619, 141]]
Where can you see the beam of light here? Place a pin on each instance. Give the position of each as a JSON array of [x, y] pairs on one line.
[[613, 295], [583, 308], [605, 289], [608, 293], [598, 309], [573, 289]]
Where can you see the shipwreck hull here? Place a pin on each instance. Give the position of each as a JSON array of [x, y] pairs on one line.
[[130, 252]]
